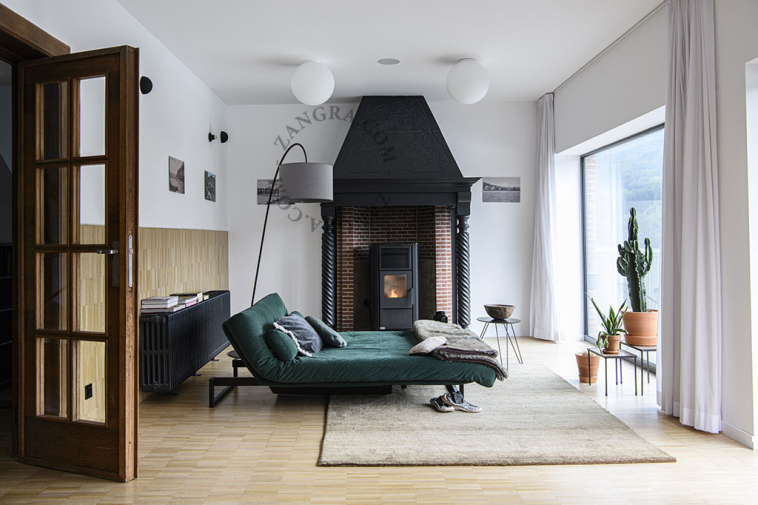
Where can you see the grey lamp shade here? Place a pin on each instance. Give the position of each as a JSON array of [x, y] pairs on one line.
[[306, 182]]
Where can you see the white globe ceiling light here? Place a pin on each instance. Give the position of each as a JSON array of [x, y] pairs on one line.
[[468, 81], [312, 83]]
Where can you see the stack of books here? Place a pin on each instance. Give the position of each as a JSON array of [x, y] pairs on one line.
[[198, 297], [187, 301], [161, 304]]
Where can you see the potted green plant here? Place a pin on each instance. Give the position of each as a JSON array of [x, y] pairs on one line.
[[640, 323], [609, 338]]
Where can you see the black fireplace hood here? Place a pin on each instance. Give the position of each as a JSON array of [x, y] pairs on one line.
[[395, 154]]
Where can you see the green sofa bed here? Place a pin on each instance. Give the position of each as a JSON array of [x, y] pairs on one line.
[[371, 358]]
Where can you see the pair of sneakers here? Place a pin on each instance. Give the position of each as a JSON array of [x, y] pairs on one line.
[[447, 403]]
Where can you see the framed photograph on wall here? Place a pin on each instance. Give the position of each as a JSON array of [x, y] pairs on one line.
[[501, 189], [210, 186], [264, 189], [175, 175]]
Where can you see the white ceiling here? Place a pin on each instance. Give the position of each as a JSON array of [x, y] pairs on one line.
[[246, 51]]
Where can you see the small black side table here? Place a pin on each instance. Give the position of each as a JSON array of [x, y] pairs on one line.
[[622, 355], [643, 359], [505, 322]]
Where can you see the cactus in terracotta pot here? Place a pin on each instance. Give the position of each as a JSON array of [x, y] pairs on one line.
[[641, 324], [635, 265]]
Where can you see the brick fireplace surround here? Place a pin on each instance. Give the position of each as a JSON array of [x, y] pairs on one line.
[[359, 227]]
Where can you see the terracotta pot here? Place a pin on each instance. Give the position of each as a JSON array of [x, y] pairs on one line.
[[584, 372], [641, 327], [614, 341]]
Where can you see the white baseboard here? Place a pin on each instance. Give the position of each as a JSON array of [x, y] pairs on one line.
[[738, 435]]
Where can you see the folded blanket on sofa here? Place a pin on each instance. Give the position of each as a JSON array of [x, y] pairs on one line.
[[462, 345], [426, 328]]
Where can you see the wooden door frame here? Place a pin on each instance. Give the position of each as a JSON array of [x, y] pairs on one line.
[[20, 40]]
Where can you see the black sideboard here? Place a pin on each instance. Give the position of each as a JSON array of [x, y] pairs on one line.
[[174, 346]]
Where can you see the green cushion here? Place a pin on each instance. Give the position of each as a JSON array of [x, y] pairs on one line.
[[281, 345], [246, 331], [330, 337], [371, 358]]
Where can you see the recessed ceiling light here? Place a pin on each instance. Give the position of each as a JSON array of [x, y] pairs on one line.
[[389, 61]]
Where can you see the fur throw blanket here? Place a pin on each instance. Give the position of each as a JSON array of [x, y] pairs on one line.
[[461, 345]]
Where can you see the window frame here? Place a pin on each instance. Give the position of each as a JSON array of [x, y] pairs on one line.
[[582, 158]]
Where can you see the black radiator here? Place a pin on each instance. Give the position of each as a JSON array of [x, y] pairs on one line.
[[173, 346]]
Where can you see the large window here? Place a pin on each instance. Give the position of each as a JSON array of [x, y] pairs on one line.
[[616, 178]]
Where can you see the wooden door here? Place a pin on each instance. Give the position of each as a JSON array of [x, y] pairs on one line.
[[77, 233]]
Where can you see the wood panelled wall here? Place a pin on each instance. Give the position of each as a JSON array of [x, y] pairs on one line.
[[182, 261], [170, 261]]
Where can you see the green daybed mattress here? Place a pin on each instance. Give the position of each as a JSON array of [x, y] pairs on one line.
[[371, 358]]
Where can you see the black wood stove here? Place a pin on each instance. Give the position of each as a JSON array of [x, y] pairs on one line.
[[394, 286]]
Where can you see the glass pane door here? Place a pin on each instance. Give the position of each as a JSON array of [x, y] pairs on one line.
[[78, 180]]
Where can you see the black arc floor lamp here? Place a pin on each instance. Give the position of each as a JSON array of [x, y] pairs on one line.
[[302, 182]]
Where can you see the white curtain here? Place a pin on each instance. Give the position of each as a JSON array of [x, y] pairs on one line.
[[543, 313], [689, 378]]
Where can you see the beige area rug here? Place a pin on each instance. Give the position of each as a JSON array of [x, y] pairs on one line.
[[533, 418]]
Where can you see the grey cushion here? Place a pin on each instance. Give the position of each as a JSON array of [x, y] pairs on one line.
[[306, 339], [328, 335]]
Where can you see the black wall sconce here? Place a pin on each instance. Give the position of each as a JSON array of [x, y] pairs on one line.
[[145, 85], [224, 137]]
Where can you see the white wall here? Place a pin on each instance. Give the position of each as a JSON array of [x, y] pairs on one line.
[[496, 140], [485, 139], [569, 250], [736, 44], [630, 80], [175, 117], [624, 83], [751, 84]]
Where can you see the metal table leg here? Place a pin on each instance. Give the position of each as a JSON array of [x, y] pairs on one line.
[[622, 371], [484, 330], [616, 362], [516, 348], [642, 375], [606, 376], [648, 367], [635, 375], [589, 369], [499, 352]]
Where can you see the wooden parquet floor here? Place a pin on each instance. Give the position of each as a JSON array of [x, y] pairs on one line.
[[258, 448]]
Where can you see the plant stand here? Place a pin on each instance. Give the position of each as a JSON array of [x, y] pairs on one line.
[[622, 355], [644, 351]]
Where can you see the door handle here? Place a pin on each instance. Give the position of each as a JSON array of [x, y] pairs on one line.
[[113, 251], [130, 262]]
